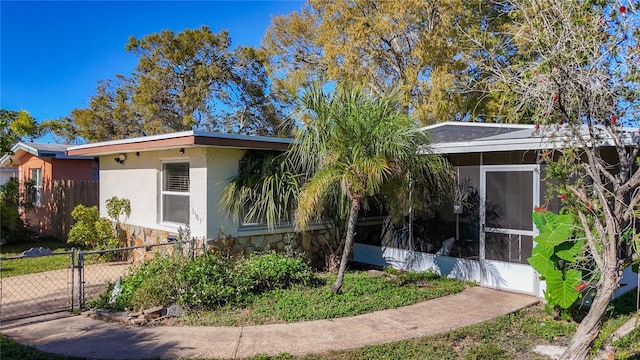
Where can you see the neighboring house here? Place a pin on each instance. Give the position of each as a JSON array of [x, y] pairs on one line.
[[6, 173], [485, 242], [55, 182], [174, 181]]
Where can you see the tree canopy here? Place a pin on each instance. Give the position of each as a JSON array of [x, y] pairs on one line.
[[412, 45], [17, 126], [193, 79]]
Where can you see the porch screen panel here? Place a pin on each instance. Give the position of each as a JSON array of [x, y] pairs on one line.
[[175, 192], [509, 205]]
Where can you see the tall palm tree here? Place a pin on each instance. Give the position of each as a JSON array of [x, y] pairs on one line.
[[367, 146], [352, 145]]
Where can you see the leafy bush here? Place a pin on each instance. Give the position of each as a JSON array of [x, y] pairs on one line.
[[90, 229], [208, 281], [12, 201], [273, 271]]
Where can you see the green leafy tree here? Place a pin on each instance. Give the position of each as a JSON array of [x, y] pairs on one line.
[[16, 126], [577, 78], [187, 80], [413, 45], [352, 145]]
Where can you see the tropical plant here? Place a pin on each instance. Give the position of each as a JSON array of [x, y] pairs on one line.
[[353, 144], [555, 257]]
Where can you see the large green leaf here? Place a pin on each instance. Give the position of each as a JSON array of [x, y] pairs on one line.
[[541, 219], [568, 250], [563, 290], [554, 229], [540, 259]]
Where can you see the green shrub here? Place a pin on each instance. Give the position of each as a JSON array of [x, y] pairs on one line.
[[90, 229], [157, 272], [273, 271], [208, 281], [12, 202]]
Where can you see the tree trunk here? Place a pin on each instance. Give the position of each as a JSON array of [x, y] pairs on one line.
[[589, 328], [348, 244]]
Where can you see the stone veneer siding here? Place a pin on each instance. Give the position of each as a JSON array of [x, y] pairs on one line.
[[310, 244]]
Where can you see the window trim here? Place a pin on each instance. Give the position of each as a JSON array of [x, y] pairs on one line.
[[163, 192]]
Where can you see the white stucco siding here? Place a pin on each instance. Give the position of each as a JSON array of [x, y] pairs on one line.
[[139, 180], [222, 164]]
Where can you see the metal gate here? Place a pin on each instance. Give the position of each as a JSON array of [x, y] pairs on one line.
[[38, 293], [87, 275]]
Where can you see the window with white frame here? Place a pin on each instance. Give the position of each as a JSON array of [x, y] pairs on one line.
[[175, 192], [36, 186]]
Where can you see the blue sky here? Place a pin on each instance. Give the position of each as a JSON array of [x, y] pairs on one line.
[[53, 53]]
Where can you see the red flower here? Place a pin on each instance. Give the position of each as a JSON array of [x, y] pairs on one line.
[[622, 9], [614, 119], [590, 207], [581, 286], [563, 197], [555, 98], [540, 209]]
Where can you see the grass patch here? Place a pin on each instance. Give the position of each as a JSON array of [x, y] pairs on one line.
[[15, 267], [510, 336], [12, 350], [361, 294]]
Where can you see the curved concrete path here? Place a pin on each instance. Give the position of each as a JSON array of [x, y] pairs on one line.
[[81, 336]]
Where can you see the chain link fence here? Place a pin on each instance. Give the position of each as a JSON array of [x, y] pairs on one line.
[[87, 275], [38, 293]]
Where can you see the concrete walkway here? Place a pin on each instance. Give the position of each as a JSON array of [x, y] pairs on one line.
[[81, 336]]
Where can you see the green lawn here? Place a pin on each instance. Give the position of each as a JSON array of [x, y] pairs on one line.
[[33, 265], [361, 293]]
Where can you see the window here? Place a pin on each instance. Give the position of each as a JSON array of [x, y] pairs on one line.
[[175, 192], [36, 186]]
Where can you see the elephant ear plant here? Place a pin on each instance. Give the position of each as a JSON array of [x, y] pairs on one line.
[[557, 258]]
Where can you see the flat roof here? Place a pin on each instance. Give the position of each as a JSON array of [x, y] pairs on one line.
[[179, 140], [41, 150], [512, 137], [468, 131]]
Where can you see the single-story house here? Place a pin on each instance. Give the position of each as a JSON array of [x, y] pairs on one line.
[[174, 181], [483, 241], [55, 181]]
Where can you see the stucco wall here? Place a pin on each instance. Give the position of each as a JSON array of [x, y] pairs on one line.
[[139, 180], [222, 164]]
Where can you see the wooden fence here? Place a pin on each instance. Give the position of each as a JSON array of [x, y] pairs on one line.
[[59, 197]]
